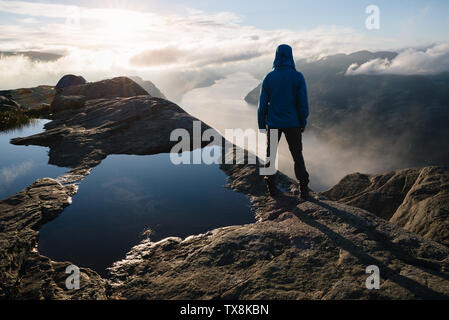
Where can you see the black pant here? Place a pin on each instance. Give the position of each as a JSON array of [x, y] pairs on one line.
[[294, 140]]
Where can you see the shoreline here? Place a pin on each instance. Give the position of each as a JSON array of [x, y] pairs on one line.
[[296, 249]]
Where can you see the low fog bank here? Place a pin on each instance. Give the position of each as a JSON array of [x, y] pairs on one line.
[[24, 71], [222, 107]]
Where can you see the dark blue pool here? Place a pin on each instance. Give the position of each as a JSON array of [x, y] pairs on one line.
[[125, 194], [20, 166]]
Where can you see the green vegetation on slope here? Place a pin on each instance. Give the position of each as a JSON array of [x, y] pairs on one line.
[[18, 118]]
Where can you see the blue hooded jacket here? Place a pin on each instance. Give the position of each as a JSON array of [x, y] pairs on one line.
[[283, 99]]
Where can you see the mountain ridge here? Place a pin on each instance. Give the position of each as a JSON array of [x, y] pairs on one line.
[[404, 116], [316, 249]]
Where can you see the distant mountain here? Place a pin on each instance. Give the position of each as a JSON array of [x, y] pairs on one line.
[[331, 66], [401, 115], [34, 55], [149, 86]]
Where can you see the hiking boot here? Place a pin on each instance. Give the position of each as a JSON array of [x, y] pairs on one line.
[[271, 186], [304, 192], [294, 189]]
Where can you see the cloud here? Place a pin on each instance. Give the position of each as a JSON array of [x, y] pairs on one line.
[[138, 31], [190, 58], [176, 52], [432, 60], [22, 71], [11, 173], [104, 27], [34, 55], [168, 55], [33, 9]]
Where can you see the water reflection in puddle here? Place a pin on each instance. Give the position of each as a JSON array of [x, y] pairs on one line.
[[20, 166], [127, 194]]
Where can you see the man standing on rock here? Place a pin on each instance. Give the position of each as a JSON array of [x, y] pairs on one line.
[[283, 105]]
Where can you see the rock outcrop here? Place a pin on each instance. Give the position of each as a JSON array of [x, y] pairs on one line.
[[317, 249], [74, 96], [69, 80], [415, 199], [7, 104], [149, 86], [82, 136], [61, 103], [12, 115], [110, 88], [24, 274], [31, 98]]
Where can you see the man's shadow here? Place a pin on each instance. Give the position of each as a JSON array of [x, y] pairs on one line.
[[289, 202]]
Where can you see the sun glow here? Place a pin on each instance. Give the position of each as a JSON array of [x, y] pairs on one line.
[[122, 25]]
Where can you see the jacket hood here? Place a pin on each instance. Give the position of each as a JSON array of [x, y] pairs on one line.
[[284, 57]]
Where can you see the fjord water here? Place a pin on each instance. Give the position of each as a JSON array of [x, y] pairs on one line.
[[20, 166], [126, 194], [222, 106]]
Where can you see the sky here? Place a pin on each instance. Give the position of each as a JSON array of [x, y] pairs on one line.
[[208, 54], [415, 19], [182, 44]]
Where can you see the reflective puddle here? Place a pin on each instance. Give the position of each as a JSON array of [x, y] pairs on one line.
[[125, 195], [20, 166]]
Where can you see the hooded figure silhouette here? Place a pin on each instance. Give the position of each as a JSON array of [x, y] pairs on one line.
[[283, 105], [284, 89]]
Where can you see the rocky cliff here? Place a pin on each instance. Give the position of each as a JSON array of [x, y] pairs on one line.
[[316, 249], [414, 199]]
